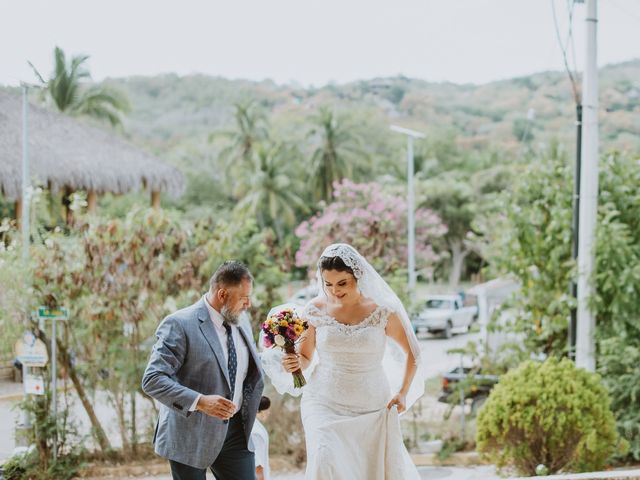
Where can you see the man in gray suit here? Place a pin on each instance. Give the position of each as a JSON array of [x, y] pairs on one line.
[[205, 372]]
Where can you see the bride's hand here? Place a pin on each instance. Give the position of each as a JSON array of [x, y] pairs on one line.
[[291, 362], [400, 401]]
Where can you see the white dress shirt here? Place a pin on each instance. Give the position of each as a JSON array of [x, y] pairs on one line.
[[242, 353]]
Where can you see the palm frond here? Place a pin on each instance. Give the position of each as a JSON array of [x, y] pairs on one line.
[[77, 69], [35, 70], [65, 89], [103, 103]]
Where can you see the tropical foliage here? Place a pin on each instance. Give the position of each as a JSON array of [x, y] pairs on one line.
[[374, 221], [531, 239], [250, 129], [459, 185], [67, 90], [337, 153], [269, 193]]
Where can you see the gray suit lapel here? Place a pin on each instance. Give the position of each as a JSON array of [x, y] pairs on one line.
[[210, 334]]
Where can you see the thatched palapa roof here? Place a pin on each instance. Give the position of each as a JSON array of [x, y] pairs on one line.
[[66, 152]]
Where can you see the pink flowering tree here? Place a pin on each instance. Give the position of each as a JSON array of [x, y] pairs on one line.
[[374, 221]]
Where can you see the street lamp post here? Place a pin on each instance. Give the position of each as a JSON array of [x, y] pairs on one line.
[[411, 227]]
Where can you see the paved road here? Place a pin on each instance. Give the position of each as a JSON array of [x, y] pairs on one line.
[[8, 420], [434, 352]]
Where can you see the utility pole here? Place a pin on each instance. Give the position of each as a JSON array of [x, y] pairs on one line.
[[26, 181], [25, 420], [411, 227], [585, 344], [573, 321], [573, 78]]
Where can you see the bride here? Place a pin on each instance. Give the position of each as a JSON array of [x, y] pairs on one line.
[[358, 382]]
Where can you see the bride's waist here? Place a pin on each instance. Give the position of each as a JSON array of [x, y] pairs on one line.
[[348, 369], [358, 387]]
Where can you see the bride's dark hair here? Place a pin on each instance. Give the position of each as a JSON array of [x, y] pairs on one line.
[[334, 263]]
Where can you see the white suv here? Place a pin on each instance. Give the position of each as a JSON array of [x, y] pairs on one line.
[[443, 314]]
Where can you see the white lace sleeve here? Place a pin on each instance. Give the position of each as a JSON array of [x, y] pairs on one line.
[[312, 314], [383, 316]]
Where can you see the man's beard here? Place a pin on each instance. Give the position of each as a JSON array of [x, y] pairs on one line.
[[230, 316]]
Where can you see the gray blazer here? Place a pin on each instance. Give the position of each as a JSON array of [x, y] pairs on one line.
[[188, 360]]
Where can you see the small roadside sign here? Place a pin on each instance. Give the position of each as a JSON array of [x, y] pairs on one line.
[[37, 385], [34, 384], [31, 351], [60, 313]]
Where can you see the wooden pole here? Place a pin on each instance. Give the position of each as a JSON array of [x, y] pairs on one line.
[[92, 199], [19, 213], [66, 202], [155, 199]]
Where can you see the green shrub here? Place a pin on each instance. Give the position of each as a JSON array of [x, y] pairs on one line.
[[27, 466], [619, 365], [550, 413]]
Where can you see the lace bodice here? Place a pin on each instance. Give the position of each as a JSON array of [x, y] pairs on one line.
[[350, 359], [320, 318]]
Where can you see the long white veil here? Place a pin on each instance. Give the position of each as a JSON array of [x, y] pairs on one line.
[[372, 286]]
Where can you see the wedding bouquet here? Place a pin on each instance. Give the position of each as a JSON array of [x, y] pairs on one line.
[[282, 330]]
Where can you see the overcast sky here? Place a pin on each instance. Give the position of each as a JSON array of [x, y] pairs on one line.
[[311, 42]]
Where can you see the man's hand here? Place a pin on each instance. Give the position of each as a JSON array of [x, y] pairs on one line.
[[216, 406]]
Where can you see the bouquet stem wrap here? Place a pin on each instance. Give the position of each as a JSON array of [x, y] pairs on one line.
[[298, 378]]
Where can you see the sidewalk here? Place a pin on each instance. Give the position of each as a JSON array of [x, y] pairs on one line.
[[10, 390], [426, 473]]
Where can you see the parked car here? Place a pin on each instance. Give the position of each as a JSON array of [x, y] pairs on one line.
[[475, 386], [443, 314]]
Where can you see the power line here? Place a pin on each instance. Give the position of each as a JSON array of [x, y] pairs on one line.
[[570, 40], [563, 47]]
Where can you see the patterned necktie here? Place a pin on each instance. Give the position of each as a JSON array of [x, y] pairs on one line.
[[232, 363]]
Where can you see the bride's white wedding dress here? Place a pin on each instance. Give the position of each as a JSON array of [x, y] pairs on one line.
[[350, 433]]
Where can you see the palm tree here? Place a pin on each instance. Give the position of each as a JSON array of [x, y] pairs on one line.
[[251, 128], [269, 194], [67, 91], [335, 157]]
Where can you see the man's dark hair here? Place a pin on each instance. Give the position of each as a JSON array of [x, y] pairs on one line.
[[334, 263], [265, 403], [230, 274]]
